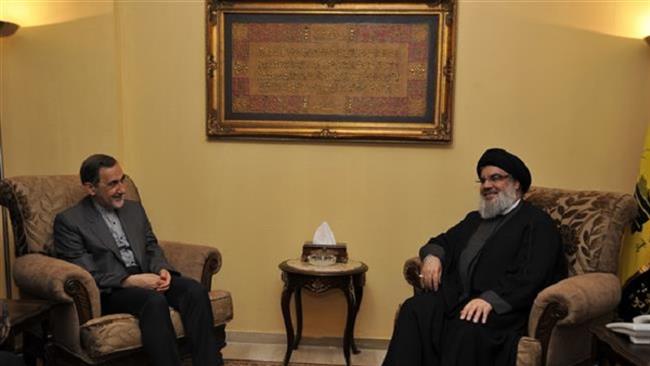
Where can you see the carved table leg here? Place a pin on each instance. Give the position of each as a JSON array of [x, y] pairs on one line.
[[298, 299], [358, 294], [286, 313], [349, 324]]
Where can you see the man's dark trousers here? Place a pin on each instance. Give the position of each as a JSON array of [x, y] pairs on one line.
[[151, 308]]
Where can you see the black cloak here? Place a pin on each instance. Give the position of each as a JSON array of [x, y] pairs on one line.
[[519, 259]]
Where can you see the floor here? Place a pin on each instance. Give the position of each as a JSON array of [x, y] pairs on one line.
[[326, 355]]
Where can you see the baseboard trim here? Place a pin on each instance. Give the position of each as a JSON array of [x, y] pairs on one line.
[[278, 338]]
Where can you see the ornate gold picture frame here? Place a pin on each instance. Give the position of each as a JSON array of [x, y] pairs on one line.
[[346, 71]]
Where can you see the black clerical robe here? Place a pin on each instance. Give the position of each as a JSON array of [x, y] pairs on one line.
[[519, 259]]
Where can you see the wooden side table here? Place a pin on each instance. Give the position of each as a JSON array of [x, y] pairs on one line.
[[610, 349], [349, 277], [24, 315]]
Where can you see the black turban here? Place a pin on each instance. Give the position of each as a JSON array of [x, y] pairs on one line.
[[508, 162]]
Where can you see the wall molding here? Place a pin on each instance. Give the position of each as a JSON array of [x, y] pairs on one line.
[[281, 338]]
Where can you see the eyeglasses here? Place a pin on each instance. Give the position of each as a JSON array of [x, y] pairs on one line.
[[494, 178]]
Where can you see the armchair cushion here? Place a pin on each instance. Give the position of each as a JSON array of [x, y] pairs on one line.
[[221, 302], [529, 352], [113, 333]]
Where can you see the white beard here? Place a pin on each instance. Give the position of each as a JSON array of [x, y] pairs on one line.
[[504, 200]]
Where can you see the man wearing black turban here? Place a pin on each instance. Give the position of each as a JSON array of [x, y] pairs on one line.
[[481, 276]]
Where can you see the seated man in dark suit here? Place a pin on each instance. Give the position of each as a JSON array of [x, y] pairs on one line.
[[482, 276], [112, 239]]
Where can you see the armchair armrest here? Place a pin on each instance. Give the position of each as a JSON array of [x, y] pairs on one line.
[[572, 301], [200, 262], [412, 273], [60, 281], [585, 297]]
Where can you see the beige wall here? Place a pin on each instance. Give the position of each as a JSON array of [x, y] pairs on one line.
[[59, 85], [571, 98]]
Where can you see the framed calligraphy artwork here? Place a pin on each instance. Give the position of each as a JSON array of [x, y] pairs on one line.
[[339, 71]]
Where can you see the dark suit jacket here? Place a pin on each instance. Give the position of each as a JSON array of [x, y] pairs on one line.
[[82, 237]]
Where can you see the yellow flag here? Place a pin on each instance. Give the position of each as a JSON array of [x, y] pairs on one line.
[[636, 247]]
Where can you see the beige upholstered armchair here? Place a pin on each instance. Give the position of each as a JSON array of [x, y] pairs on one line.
[[591, 225], [80, 334]]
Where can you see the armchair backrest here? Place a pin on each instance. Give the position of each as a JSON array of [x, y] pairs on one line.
[[591, 224], [34, 201]]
